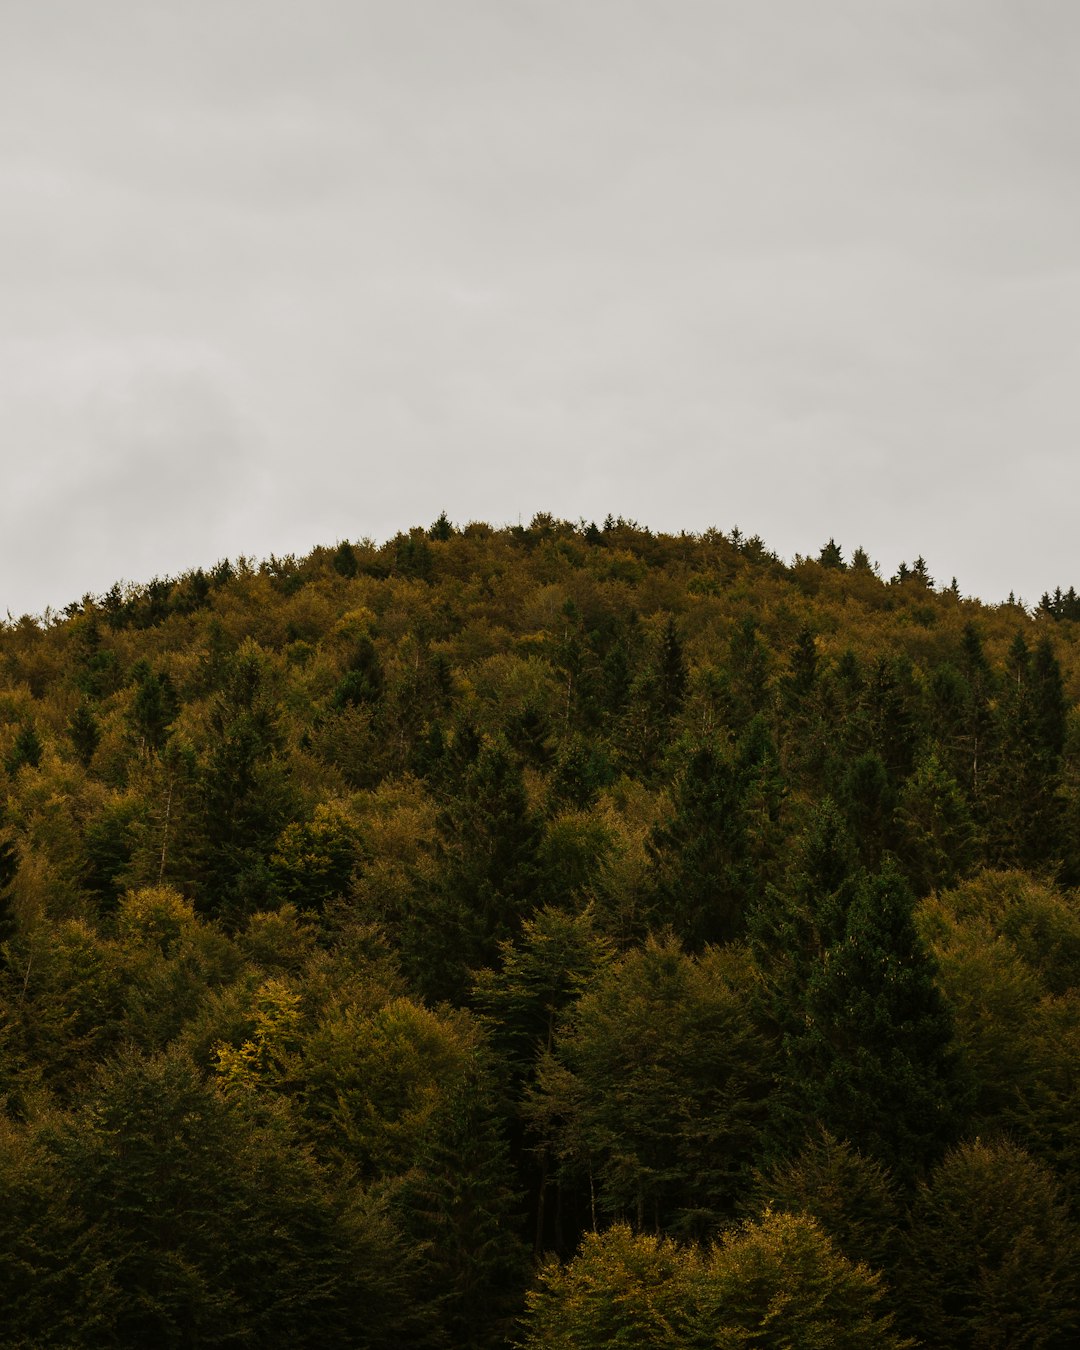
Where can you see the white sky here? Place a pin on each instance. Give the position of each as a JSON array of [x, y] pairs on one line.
[[275, 274]]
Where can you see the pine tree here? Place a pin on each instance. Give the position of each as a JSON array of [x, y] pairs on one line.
[[853, 1198], [671, 673], [832, 556], [873, 1059], [748, 675], [993, 1253], [1025, 824], [804, 663], [701, 856], [654, 1090], [491, 876], [363, 681], [936, 834], [27, 748], [84, 733], [154, 708], [245, 795], [458, 1204], [344, 560], [441, 530]]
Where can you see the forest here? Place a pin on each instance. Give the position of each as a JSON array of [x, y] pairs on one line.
[[554, 936]]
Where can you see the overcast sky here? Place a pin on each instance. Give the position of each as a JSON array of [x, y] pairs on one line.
[[276, 274]]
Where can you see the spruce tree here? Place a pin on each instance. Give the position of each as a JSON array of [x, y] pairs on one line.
[[671, 673], [344, 560], [993, 1254], [84, 733], [458, 1204], [491, 873], [1025, 824], [703, 878], [154, 708], [936, 835], [27, 748], [872, 1058]]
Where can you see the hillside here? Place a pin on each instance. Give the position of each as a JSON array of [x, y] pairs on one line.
[[546, 935]]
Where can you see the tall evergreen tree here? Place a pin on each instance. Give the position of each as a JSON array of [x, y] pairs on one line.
[[703, 878], [459, 1205], [84, 733], [245, 794], [671, 672], [936, 835], [154, 708], [980, 722], [26, 749], [491, 874], [872, 1059], [1025, 824]]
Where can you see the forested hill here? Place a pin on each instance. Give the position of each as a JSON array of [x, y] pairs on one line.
[[557, 936]]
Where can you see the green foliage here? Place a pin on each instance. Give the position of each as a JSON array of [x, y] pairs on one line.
[[581, 770], [776, 1282], [196, 1221], [245, 795], [537, 979], [363, 680], [241, 1100], [781, 1281], [84, 733], [853, 1198], [703, 877], [490, 840], [1025, 773], [313, 861], [371, 1080], [621, 1290], [109, 844], [1008, 952], [993, 1254], [344, 560], [26, 749], [655, 1086], [936, 833], [831, 555], [868, 1040], [458, 1202], [154, 708]]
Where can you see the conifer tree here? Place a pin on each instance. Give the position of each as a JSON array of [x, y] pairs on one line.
[[363, 680], [937, 839], [853, 1198], [804, 663], [344, 560], [155, 706], [441, 530], [491, 874], [1025, 825], [980, 723], [832, 556], [84, 733], [671, 673], [993, 1254], [458, 1203], [873, 1059], [748, 674], [245, 795], [703, 878], [655, 1087], [27, 748]]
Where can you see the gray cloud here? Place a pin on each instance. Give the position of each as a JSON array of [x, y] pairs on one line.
[[275, 275]]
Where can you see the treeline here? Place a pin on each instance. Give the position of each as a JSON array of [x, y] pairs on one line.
[[564, 935]]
